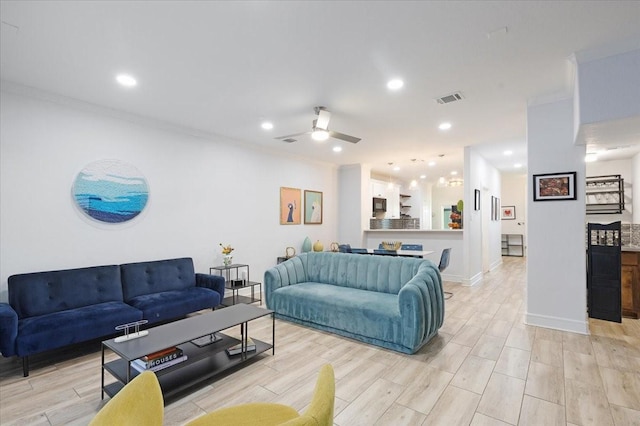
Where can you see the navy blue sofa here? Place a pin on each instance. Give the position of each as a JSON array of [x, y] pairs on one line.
[[50, 310]]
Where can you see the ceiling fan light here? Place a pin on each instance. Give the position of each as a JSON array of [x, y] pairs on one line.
[[319, 135]]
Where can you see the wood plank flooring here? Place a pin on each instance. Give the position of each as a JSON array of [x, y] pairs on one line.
[[485, 367]]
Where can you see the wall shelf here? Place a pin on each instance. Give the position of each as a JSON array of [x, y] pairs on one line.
[[512, 245], [605, 194]]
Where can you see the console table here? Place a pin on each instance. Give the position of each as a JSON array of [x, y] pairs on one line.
[[233, 273], [203, 362]]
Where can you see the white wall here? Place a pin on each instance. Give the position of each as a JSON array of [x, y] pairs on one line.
[[614, 167], [635, 190], [202, 192], [479, 174], [354, 203], [513, 193], [608, 91], [556, 261], [443, 196]]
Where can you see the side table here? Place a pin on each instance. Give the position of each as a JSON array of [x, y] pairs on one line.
[[234, 273]]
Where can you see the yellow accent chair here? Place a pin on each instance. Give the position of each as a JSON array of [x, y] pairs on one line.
[[319, 412], [139, 403]]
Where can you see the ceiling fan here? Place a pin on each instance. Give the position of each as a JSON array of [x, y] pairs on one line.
[[320, 129]]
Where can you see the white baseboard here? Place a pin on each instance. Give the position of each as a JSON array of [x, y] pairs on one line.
[[473, 280], [495, 264], [556, 323], [452, 278]]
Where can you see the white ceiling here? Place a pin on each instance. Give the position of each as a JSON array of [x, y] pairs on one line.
[[223, 67]]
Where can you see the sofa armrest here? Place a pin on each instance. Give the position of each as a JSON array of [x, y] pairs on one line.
[[272, 282], [214, 282], [8, 329], [421, 304], [286, 273]]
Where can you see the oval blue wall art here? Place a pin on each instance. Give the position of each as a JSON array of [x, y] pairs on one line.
[[110, 191]]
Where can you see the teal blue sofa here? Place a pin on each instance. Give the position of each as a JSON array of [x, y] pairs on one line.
[[393, 302]]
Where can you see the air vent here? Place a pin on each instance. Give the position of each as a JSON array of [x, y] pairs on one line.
[[289, 140], [456, 96]]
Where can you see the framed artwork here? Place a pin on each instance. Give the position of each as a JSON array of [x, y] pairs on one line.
[[495, 207], [289, 206], [312, 207], [508, 212], [110, 191], [476, 199], [554, 186]]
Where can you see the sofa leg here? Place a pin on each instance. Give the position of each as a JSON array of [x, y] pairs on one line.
[[25, 366]]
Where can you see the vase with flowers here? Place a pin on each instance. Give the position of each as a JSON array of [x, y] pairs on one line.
[[227, 259]]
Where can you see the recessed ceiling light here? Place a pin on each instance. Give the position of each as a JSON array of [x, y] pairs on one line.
[[337, 149], [591, 157], [441, 179], [126, 80], [396, 169], [444, 126], [517, 165], [414, 183], [431, 163], [508, 152], [423, 176], [395, 84], [453, 173], [267, 125]]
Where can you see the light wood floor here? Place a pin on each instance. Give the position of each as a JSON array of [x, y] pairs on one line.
[[486, 367]]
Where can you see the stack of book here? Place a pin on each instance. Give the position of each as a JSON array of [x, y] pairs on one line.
[[237, 349], [159, 360]]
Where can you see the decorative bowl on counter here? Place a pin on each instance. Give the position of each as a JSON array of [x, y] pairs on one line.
[[391, 245]]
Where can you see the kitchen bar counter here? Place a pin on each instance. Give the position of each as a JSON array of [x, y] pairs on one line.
[[405, 223]]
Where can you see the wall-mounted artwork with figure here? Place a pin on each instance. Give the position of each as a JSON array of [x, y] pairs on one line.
[[290, 206], [110, 191], [312, 207]]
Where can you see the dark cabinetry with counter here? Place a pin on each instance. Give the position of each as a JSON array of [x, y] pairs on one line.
[[631, 284]]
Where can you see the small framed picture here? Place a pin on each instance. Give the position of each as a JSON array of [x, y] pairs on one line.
[[508, 212], [476, 199], [289, 206], [312, 207], [554, 186]]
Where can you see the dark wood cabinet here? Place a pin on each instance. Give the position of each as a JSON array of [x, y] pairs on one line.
[[630, 284]]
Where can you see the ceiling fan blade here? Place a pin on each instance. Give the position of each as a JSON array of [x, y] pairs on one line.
[[323, 119], [344, 137], [291, 136]]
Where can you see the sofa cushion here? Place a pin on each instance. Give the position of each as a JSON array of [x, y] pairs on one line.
[[375, 273], [51, 331], [155, 277], [172, 304], [41, 293], [360, 313]]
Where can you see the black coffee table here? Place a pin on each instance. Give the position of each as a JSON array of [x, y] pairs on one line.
[[203, 362]]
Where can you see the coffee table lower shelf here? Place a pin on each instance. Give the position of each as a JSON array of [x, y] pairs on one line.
[[202, 363]]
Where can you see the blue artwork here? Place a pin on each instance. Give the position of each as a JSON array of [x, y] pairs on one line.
[[111, 191]]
